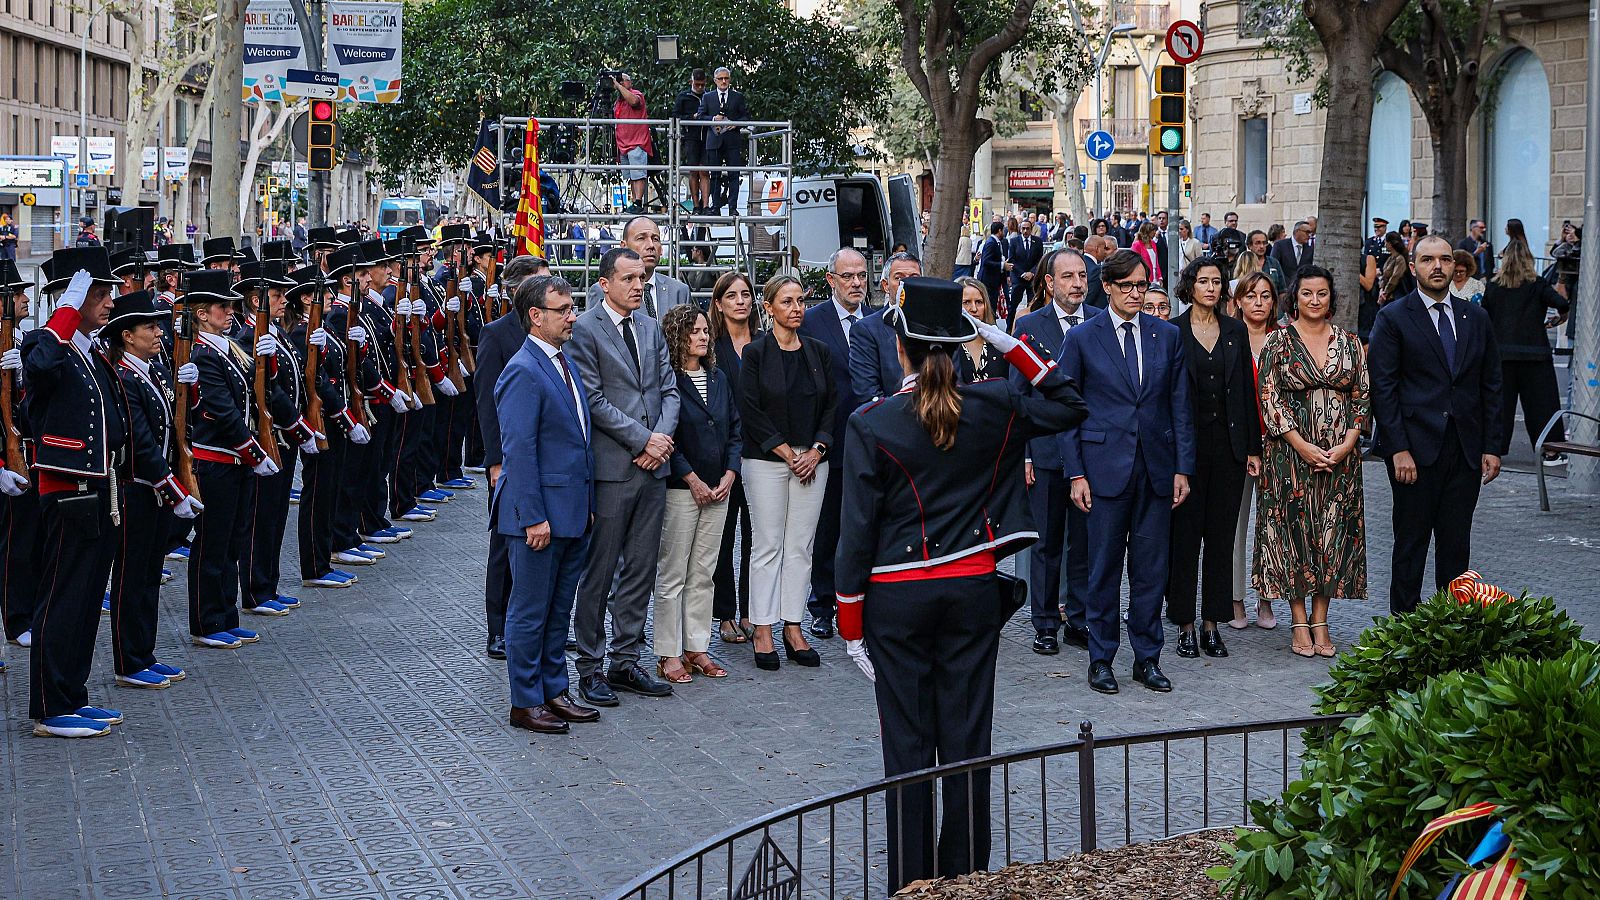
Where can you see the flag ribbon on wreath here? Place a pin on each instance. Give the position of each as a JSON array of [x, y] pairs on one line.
[[1498, 882]]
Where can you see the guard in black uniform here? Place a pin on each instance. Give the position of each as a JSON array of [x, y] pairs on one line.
[[19, 496], [386, 401], [346, 319], [933, 499], [415, 431], [79, 414], [456, 411], [152, 497]]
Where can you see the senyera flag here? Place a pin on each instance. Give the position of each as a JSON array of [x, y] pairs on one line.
[[529, 225]]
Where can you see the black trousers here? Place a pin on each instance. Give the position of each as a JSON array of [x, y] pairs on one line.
[[1438, 505], [730, 599], [475, 434], [412, 448], [934, 644], [319, 498], [351, 487], [823, 598], [1063, 532], [497, 581], [1209, 517], [455, 418], [19, 559], [260, 565], [1534, 383], [136, 580], [78, 546], [725, 184], [371, 500], [221, 531]]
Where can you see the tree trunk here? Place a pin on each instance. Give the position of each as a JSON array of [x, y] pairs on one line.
[[180, 211], [226, 171], [952, 177], [1449, 140], [1344, 168], [1067, 135]]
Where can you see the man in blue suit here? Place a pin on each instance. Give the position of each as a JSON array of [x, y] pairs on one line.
[[992, 262], [874, 359], [1129, 463], [1063, 528], [544, 501], [835, 323], [724, 141]]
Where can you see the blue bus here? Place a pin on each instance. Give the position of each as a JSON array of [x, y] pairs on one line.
[[396, 214]]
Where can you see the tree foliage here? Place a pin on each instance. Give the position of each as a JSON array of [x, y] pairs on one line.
[[467, 59]]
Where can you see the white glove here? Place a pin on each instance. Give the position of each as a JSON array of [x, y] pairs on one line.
[[266, 345], [402, 307], [994, 337], [360, 434], [77, 289], [462, 368], [453, 305], [415, 400], [317, 338], [401, 401], [265, 468], [11, 360], [359, 335], [494, 292], [188, 373], [13, 484], [858, 652], [309, 448], [447, 388], [188, 508]]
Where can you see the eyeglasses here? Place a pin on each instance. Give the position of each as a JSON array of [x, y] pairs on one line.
[[562, 311], [1154, 308], [1131, 287], [850, 276]]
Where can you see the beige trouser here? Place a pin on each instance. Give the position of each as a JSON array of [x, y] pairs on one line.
[[783, 519], [691, 539]]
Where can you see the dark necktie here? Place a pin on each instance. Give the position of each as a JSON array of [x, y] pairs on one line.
[[722, 102], [1130, 352], [649, 299], [566, 375], [852, 319], [1447, 333], [1072, 321], [633, 345]]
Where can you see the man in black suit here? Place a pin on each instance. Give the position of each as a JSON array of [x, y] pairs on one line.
[[992, 262], [1095, 250], [1477, 243], [1026, 251], [1436, 395], [687, 107], [1296, 251], [497, 343], [724, 141]]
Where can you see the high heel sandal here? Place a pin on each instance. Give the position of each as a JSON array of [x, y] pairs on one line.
[[1308, 652], [730, 633], [705, 665], [1328, 650], [1268, 621], [801, 657]]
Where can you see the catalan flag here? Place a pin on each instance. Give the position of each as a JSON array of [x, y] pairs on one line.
[[1498, 882], [1431, 833], [482, 177], [529, 225]]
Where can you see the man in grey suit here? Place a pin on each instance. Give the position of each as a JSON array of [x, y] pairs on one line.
[[661, 291], [621, 356]]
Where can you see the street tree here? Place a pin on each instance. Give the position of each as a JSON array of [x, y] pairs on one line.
[[470, 59], [1073, 71], [227, 174], [184, 39], [202, 113]]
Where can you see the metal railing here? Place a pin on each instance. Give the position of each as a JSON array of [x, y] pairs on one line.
[[1145, 16], [1130, 134], [837, 845]]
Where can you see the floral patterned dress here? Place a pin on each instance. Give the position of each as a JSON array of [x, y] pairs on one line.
[[1310, 530]]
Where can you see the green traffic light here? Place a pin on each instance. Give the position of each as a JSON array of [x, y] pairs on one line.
[[1172, 139]]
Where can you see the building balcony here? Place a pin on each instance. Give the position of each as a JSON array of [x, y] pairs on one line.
[[202, 152], [1128, 133], [1144, 16]]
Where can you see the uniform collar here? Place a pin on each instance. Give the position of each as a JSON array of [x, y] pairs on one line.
[[218, 342], [141, 366]]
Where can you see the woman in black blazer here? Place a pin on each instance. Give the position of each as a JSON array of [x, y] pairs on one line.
[[787, 402], [976, 360], [1228, 449], [734, 325], [704, 466]]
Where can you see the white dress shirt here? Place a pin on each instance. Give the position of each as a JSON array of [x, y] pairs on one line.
[[1433, 311], [616, 322], [844, 317], [1138, 343]]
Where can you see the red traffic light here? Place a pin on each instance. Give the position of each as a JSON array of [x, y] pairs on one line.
[[322, 111]]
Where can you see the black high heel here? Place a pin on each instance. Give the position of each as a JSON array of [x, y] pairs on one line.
[[807, 657], [767, 662]]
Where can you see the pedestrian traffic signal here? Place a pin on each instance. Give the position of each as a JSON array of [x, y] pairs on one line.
[[321, 136], [1167, 134]]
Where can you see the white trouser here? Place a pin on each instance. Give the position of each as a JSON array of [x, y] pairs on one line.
[[1242, 542], [783, 521], [691, 540]]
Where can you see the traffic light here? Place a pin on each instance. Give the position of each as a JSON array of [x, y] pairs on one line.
[[1167, 135], [321, 135]]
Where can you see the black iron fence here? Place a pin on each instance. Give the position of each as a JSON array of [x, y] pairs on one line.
[[1076, 796]]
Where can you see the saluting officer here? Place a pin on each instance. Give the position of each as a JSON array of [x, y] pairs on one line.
[[79, 414], [918, 586], [19, 496], [152, 498]]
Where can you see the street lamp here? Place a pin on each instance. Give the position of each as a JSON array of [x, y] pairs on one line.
[[83, 115], [667, 48], [1099, 109]]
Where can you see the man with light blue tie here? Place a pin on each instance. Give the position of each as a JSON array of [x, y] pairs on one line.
[[1129, 464], [544, 501]]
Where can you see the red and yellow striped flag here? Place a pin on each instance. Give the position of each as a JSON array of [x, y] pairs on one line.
[[1498, 882], [529, 225], [1431, 832]]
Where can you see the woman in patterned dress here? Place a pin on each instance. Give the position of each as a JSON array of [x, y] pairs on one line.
[[1310, 534]]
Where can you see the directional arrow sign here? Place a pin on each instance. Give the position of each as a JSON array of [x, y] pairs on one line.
[[311, 84], [1184, 42], [1099, 146]]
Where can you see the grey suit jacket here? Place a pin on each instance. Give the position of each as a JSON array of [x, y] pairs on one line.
[[665, 293], [626, 405]]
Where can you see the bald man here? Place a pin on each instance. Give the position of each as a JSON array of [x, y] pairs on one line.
[[662, 292]]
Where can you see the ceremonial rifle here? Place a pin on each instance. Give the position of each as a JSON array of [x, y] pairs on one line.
[[352, 359], [414, 329], [452, 322], [313, 355], [269, 443], [8, 324], [402, 371], [182, 343], [468, 361], [496, 307]]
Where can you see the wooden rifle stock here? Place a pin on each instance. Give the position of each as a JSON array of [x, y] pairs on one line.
[[497, 305], [352, 359], [468, 361], [402, 371], [182, 343], [8, 380], [313, 355], [264, 433], [452, 328], [423, 382]]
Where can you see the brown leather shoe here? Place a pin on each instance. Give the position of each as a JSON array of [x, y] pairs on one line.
[[571, 710], [537, 718]]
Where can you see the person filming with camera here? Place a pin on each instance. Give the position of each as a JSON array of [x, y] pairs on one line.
[[633, 141]]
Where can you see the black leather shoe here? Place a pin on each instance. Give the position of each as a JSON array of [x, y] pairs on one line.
[[1045, 644], [821, 628], [807, 657], [1187, 648], [497, 647], [595, 691], [1211, 643], [568, 710], [1101, 678], [767, 662], [1148, 673], [636, 680], [1077, 637]]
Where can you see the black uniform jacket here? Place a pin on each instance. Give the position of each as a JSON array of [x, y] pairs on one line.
[[220, 427], [76, 406], [915, 506], [150, 399], [286, 385]]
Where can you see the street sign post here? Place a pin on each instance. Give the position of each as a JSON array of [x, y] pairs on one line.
[[29, 199], [1185, 40], [311, 84], [82, 180], [1099, 146]]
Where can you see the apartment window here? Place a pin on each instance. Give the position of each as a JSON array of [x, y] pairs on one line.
[[180, 125], [1253, 160], [1125, 93]]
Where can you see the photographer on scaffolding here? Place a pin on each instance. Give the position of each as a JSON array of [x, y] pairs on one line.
[[633, 141]]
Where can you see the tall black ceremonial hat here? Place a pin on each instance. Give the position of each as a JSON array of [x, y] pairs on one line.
[[177, 256], [218, 249], [209, 286], [930, 310], [343, 260], [133, 308], [129, 260], [323, 237], [64, 263], [373, 253], [278, 250], [11, 278], [455, 234]]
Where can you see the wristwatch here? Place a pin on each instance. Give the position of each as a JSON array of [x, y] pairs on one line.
[[821, 448]]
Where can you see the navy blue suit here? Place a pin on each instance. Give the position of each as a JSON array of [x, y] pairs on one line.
[[874, 362], [1063, 528], [547, 476], [1135, 439], [991, 267], [822, 322]]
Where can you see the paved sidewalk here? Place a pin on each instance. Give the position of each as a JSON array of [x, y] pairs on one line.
[[360, 749]]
